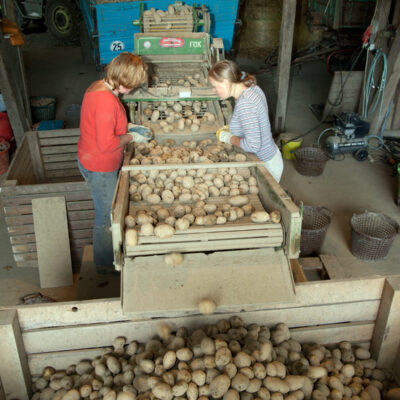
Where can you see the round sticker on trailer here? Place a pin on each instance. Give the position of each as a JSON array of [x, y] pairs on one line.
[[117, 45], [147, 44]]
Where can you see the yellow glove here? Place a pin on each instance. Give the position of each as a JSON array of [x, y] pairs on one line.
[[223, 134]]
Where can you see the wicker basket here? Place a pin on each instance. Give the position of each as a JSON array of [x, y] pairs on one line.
[[316, 221], [372, 234], [310, 161], [43, 108]]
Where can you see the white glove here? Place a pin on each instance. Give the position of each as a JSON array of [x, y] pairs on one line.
[[223, 135], [138, 138], [139, 133]]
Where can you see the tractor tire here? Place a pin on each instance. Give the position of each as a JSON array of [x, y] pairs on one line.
[[62, 18]]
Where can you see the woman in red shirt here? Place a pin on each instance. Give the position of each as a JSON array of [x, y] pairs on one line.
[[103, 127]]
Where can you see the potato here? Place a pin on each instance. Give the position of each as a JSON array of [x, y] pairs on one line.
[[362, 354], [238, 201], [162, 391], [182, 224], [125, 395], [184, 354], [207, 306], [231, 394], [254, 385], [72, 394], [167, 196], [173, 259], [242, 359], [147, 366], [223, 356], [275, 217], [240, 382], [147, 229], [219, 386], [130, 221], [393, 394], [315, 372], [295, 382], [207, 346], [131, 237], [199, 377], [274, 384], [180, 388], [164, 231], [210, 208], [240, 157], [259, 216], [188, 182]]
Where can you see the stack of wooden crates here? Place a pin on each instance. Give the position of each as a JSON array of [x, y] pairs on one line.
[[45, 166]]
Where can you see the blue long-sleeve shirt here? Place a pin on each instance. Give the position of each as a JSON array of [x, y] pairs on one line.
[[250, 122]]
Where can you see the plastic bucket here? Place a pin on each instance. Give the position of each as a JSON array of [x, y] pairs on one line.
[[315, 223], [6, 132], [4, 156], [372, 235], [289, 147]]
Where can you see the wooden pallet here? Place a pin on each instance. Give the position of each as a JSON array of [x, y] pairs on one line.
[[241, 234]]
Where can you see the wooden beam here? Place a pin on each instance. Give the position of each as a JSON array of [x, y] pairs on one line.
[[390, 90], [10, 86], [36, 157], [396, 15], [386, 338], [284, 62], [14, 369], [298, 273]]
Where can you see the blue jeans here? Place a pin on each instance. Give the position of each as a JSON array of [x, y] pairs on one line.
[[102, 186]]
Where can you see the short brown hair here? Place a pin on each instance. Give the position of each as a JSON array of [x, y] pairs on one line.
[[227, 69], [128, 70]]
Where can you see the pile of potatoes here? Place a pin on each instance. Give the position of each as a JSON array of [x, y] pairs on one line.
[[178, 115], [226, 360], [203, 151], [196, 191], [159, 78], [159, 16]]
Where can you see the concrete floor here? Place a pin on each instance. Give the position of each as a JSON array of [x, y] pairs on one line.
[[345, 187]]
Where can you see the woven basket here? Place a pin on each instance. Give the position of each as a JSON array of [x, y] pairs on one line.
[[315, 223], [310, 161], [372, 235], [44, 112]]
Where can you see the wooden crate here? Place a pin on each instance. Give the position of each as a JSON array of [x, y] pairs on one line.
[[211, 106], [364, 311], [242, 234], [45, 166], [230, 236]]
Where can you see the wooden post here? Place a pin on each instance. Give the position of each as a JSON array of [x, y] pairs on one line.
[[386, 338], [390, 90], [10, 87], [284, 62], [14, 369], [36, 157]]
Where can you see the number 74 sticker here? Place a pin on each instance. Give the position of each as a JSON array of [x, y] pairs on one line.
[[117, 45]]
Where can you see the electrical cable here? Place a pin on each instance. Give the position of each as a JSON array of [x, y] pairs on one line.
[[370, 84], [343, 83], [323, 133]]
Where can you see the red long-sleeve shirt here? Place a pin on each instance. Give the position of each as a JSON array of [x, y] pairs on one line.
[[103, 119]]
